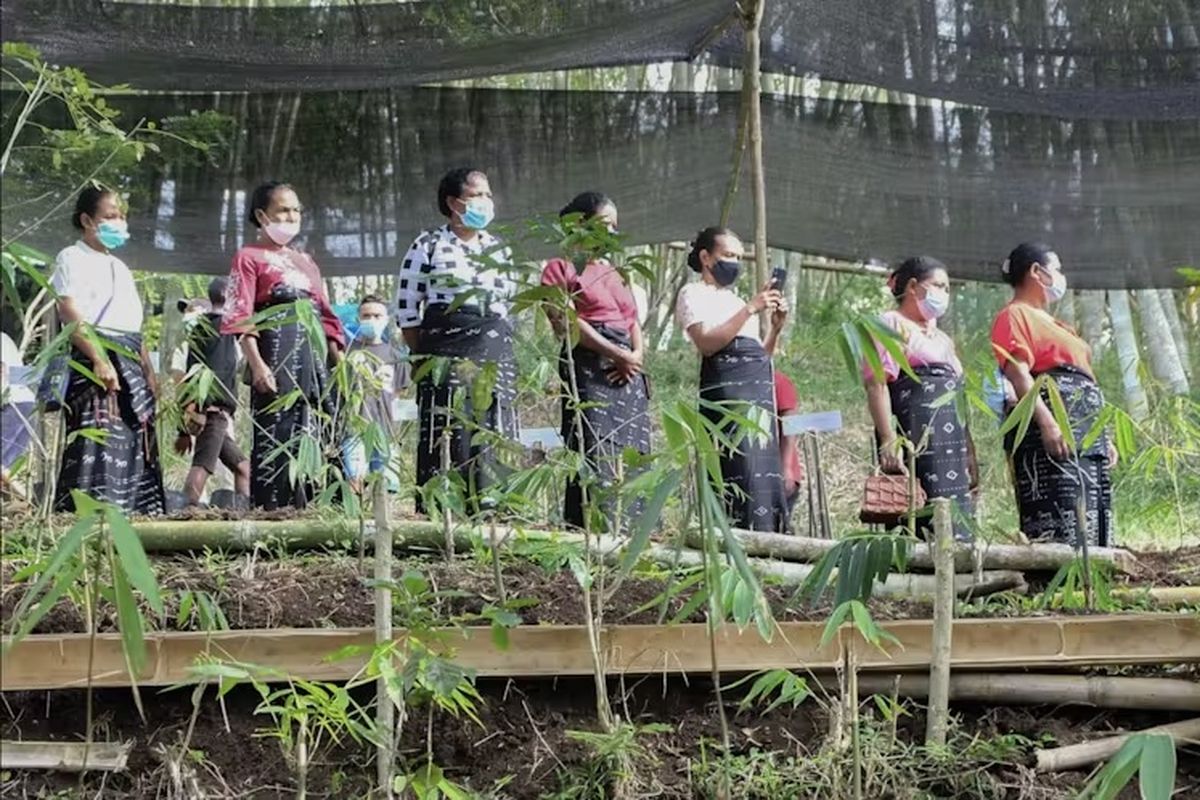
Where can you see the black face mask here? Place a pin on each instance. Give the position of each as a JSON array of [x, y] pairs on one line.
[[725, 273]]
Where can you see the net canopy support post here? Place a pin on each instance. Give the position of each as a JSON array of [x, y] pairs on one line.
[[752, 17]]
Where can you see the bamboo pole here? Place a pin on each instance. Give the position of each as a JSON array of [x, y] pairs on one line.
[[385, 712], [1101, 691], [1034, 558], [65, 756], [419, 534], [167, 536], [938, 718], [752, 76], [60, 661], [1077, 756]]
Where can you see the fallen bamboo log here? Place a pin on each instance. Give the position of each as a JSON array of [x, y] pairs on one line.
[[1163, 595], [183, 535], [1031, 558], [1084, 754], [164, 536], [1102, 691], [65, 756], [60, 661]]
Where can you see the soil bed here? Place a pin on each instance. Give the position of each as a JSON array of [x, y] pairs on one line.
[[523, 740], [328, 591]]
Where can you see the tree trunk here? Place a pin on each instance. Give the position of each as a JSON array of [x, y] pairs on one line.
[[1165, 364], [1127, 351], [753, 78], [1178, 334]]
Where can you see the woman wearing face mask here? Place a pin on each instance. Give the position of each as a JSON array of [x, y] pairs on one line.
[[945, 458], [1051, 476], [735, 370], [452, 299], [607, 360], [268, 284], [97, 295]]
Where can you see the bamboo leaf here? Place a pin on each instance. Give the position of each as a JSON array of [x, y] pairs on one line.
[[68, 546], [649, 519], [133, 558], [1156, 771], [133, 639], [1059, 410]]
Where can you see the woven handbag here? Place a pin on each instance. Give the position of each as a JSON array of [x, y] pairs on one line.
[[885, 499]]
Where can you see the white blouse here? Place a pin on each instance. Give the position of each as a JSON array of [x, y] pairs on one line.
[[712, 306], [92, 279]]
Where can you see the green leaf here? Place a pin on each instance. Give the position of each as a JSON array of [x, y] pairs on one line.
[[649, 519], [68, 547], [835, 621], [133, 558], [133, 639], [1156, 772]]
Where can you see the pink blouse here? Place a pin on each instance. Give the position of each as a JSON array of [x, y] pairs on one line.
[[923, 346]]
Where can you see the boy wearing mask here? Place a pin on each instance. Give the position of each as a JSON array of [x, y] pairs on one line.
[[208, 421], [381, 371]]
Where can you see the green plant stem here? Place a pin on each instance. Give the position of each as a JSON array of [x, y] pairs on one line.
[[91, 580], [302, 759], [855, 741], [710, 556], [497, 574]]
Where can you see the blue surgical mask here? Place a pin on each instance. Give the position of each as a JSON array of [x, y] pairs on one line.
[[935, 303], [371, 328], [479, 213], [725, 273], [112, 233]]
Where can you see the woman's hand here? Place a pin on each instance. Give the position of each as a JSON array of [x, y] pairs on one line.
[[889, 459], [262, 380], [1054, 442], [183, 444], [767, 299], [107, 375], [779, 315]]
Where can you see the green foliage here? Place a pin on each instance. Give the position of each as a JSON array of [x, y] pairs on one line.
[[854, 565], [616, 758], [859, 616], [103, 538], [1149, 756], [1069, 586], [787, 686]]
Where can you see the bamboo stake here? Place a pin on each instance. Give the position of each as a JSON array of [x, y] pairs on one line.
[[938, 718], [1101, 691], [65, 756], [385, 717], [752, 75], [1084, 754]]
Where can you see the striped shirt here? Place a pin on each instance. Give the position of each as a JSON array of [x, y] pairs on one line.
[[439, 267]]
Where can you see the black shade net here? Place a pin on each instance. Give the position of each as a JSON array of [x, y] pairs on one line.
[[1119, 199], [1107, 59]]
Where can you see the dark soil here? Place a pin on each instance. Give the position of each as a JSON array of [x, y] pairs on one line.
[[523, 739], [327, 592], [1179, 567]]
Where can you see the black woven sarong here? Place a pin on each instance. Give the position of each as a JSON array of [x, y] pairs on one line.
[[612, 418], [1048, 491], [118, 463], [741, 374], [929, 419], [446, 396]]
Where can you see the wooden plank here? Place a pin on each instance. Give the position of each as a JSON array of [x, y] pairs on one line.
[[60, 661], [65, 756]]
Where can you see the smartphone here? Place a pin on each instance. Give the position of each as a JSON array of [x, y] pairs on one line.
[[778, 278]]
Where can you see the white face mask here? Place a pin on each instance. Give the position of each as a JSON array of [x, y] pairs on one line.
[[935, 303], [281, 232], [1057, 289]]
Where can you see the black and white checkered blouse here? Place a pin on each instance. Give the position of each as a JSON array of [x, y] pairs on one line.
[[439, 266]]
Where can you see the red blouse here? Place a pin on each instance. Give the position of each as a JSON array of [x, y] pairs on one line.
[[257, 270], [1034, 337], [600, 294]]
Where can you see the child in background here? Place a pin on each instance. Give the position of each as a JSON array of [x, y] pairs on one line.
[[210, 421], [16, 414], [786, 402], [382, 371]]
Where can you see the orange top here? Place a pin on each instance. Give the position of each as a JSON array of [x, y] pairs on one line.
[[1034, 337]]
